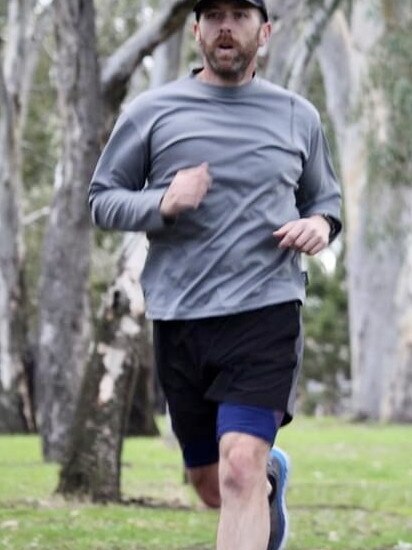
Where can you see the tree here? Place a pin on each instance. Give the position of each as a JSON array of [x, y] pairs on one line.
[[390, 160], [92, 463], [299, 26], [352, 43], [122, 344], [24, 30], [64, 325], [377, 213], [63, 311]]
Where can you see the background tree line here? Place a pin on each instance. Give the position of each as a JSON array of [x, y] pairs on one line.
[[74, 344]]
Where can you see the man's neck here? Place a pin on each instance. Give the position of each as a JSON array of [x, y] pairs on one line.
[[210, 77]]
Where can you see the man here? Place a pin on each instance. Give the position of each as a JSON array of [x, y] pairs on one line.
[[231, 178]]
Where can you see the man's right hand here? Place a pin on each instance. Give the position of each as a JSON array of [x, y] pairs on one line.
[[187, 190]]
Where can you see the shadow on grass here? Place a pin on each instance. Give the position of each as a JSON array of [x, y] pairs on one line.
[[156, 503]]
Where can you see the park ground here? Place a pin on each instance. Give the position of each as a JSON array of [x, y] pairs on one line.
[[350, 489]]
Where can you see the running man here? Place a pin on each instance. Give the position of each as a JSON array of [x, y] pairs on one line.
[[231, 178]]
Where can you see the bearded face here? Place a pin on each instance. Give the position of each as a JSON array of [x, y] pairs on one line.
[[229, 38], [228, 57]]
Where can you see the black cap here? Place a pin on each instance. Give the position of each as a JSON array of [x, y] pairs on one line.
[[259, 4]]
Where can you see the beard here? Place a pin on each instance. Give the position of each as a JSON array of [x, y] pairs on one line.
[[227, 58]]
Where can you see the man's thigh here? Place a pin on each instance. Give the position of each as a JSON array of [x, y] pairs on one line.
[[259, 358], [193, 417], [237, 371]]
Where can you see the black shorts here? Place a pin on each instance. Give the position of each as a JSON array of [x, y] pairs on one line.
[[250, 358]]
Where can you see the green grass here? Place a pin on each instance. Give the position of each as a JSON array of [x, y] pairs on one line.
[[351, 489]]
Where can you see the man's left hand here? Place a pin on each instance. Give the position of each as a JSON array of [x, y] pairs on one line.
[[309, 235]]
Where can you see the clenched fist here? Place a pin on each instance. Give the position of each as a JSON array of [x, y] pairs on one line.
[[186, 191]]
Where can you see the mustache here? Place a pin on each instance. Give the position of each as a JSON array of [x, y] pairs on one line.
[[226, 40]]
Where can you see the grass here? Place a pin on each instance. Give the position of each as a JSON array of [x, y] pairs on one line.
[[351, 489]]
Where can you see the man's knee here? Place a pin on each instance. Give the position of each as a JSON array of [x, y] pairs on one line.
[[205, 481], [243, 461]]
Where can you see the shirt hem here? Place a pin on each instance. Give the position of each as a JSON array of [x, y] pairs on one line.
[[205, 313]]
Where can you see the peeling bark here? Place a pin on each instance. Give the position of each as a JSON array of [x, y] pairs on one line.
[[23, 30], [92, 466], [11, 361], [64, 325]]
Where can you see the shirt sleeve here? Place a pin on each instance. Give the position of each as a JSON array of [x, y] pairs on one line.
[[118, 198], [318, 189]]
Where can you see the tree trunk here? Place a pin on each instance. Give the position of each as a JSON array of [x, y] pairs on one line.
[[63, 312], [344, 70], [123, 347], [11, 361], [377, 248], [92, 466], [64, 325], [16, 414], [397, 401]]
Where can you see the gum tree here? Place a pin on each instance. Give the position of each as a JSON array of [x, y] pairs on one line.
[[25, 26]]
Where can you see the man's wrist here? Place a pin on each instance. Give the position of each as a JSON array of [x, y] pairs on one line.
[[333, 226], [168, 219]]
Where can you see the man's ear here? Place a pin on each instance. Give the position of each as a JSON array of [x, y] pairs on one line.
[[265, 33], [196, 31]]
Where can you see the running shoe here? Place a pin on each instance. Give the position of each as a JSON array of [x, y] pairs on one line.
[[277, 472]]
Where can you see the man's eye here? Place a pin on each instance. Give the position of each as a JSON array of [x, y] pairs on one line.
[[240, 15], [212, 15]]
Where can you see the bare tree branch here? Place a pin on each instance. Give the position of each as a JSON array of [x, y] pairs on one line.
[[120, 66], [306, 47], [35, 216]]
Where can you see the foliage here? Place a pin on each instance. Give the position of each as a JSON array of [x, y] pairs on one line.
[[349, 491], [115, 22], [326, 358]]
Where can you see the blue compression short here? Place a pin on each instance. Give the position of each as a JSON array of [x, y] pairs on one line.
[[257, 421]]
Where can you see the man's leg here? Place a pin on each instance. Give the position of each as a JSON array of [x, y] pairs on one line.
[[205, 480], [244, 515]]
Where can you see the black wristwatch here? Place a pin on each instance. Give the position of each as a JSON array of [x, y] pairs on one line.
[[334, 227]]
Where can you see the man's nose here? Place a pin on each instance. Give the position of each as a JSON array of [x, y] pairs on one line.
[[226, 21]]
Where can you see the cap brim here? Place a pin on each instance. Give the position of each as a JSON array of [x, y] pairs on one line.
[[200, 5]]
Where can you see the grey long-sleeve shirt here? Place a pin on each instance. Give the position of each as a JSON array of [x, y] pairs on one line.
[[270, 164]]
